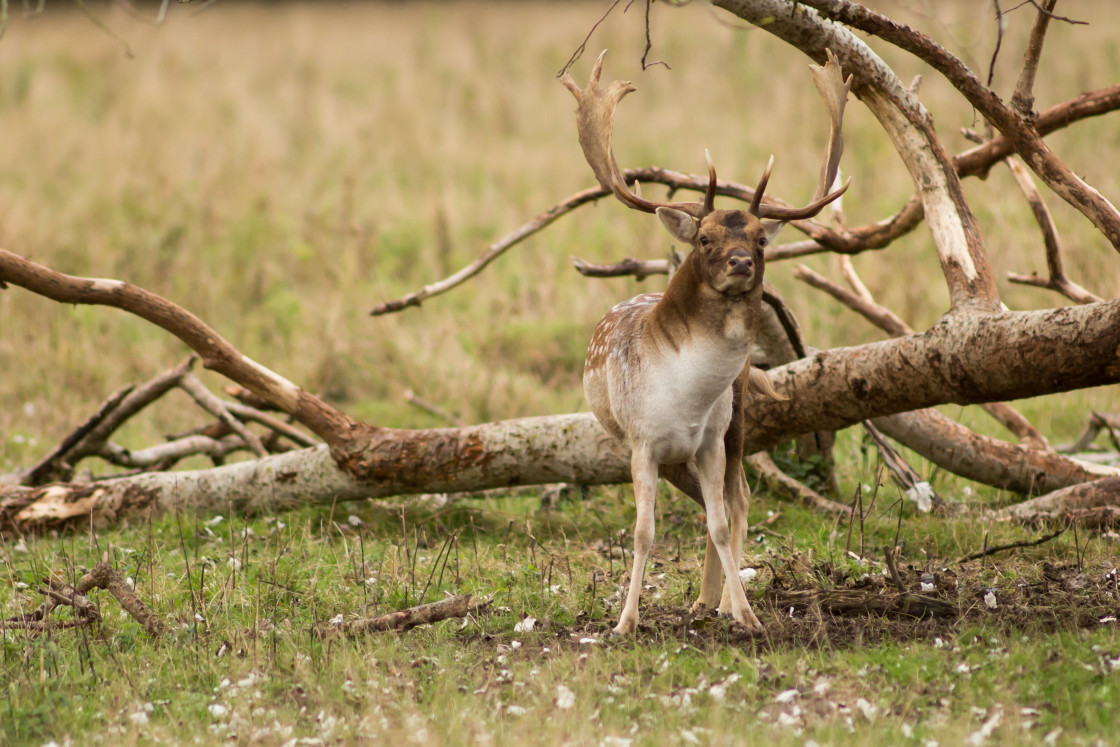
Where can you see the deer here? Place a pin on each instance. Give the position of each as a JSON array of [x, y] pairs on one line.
[[668, 374]]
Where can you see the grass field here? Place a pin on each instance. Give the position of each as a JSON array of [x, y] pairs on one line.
[[280, 169]]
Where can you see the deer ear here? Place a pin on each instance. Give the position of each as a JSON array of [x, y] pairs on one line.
[[772, 228], [682, 225]]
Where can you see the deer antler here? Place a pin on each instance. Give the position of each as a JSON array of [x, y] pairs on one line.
[[834, 90], [595, 122]]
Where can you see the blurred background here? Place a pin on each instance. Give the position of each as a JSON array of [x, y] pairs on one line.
[[280, 168]]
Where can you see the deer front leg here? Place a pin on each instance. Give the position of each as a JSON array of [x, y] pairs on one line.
[[644, 472], [710, 463]]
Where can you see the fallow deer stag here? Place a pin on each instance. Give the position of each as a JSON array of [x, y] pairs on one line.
[[667, 373]]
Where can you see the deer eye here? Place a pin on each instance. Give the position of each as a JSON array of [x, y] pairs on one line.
[[763, 241], [704, 241]]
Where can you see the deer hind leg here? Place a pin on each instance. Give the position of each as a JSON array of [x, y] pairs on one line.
[[710, 581], [644, 471], [710, 463]]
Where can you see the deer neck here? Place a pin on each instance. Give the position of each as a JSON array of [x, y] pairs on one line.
[[692, 314]]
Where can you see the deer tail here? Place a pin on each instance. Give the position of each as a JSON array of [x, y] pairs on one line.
[[758, 382]]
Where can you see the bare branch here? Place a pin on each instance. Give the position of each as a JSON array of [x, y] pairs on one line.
[[1098, 421], [456, 606], [878, 315], [217, 354], [428, 407], [1024, 138], [166, 455], [1103, 493], [496, 250], [50, 462], [213, 405], [780, 483], [1023, 98], [1010, 546], [1057, 280], [1015, 467], [639, 268]]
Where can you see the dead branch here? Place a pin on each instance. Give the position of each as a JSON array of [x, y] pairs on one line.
[[889, 555], [964, 262], [1104, 493], [101, 576], [1057, 280], [1098, 421], [860, 602], [252, 414], [92, 440], [164, 456], [1023, 98], [1025, 139], [37, 474], [452, 607], [428, 407], [496, 250], [1015, 467], [880, 316], [885, 319], [1010, 546], [978, 161], [213, 405], [639, 268], [781, 484], [217, 354], [902, 473]]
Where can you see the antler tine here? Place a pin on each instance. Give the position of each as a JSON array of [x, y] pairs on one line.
[[833, 88], [756, 201], [710, 195], [595, 123]]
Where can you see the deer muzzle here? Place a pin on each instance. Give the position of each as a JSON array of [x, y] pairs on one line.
[[740, 263]]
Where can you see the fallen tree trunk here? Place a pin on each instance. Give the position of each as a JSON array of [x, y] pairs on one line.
[[530, 451]]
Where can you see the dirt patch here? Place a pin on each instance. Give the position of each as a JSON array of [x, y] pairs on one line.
[[823, 608]]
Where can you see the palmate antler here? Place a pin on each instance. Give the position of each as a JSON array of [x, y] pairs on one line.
[[595, 122]]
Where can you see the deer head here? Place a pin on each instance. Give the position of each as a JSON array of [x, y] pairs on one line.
[[734, 240]]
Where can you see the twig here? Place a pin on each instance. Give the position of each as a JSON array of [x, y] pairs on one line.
[[496, 250], [903, 474], [889, 552], [639, 268], [1010, 546], [878, 315], [439, 412], [456, 606]]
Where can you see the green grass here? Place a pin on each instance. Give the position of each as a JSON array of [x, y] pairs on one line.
[[281, 169], [253, 636]]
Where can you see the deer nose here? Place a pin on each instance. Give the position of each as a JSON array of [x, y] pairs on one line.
[[740, 263]]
